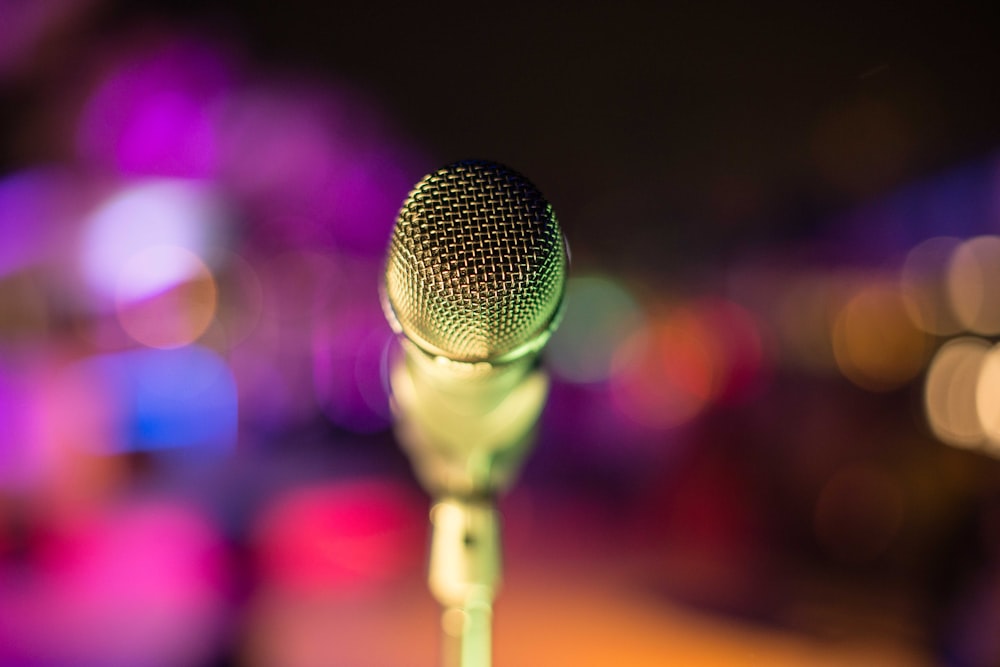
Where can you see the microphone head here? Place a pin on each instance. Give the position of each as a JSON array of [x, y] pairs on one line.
[[477, 265]]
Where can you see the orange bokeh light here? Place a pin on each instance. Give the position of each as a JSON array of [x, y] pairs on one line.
[[875, 343], [665, 373], [175, 316]]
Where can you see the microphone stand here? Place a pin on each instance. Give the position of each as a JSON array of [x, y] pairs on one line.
[[463, 575], [466, 428]]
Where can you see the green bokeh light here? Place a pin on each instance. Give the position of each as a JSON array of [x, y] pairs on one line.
[[600, 313]]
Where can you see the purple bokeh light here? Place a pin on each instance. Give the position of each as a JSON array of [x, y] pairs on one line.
[[350, 354], [153, 113], [33, 206], [317, 167]]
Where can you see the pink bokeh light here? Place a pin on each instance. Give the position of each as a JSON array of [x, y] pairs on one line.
[[141, 584], [340, 538]]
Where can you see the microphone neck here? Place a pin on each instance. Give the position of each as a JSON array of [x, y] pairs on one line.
[[466, 426]]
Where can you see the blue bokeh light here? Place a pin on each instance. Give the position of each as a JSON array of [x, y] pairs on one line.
[[180, 398]]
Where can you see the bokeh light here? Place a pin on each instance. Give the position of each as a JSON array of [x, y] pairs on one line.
[[665, 373], [301, 287], [29, 203], [686, 358], [19, 460], [350, 369], [987, 399], [166, 317], [240, 301], [165, 399], [152, 114], [875, 343], [924, 279], [319, 166], [950, 392], [339, 538], [972, 276], [738, 341], [181, 214], [599, 314], [300, 291], [142, 584], [73, 418]]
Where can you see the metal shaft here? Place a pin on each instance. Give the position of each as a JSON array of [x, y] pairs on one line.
[[464, 576]]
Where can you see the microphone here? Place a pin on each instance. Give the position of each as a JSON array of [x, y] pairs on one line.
[[474, 283]]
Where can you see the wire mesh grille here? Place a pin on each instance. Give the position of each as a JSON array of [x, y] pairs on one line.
[[477, 264]]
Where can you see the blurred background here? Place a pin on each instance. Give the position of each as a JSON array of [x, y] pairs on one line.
[[775, 415]]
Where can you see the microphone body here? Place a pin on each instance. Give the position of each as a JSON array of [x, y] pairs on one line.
[[473, 286]]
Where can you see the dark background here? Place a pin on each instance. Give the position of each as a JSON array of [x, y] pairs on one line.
[[663, 133]]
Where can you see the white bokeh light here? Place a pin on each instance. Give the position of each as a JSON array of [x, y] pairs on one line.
[[175, 213]]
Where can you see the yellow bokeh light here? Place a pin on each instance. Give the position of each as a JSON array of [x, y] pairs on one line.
[[972, 276], [950, 392], [987, 398]]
